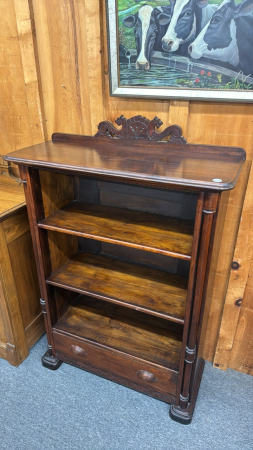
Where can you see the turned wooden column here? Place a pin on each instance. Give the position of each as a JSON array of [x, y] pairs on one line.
[[193, 369], [31, 181]]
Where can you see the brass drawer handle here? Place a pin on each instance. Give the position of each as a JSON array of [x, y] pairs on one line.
[[146, 376], [78, 350]]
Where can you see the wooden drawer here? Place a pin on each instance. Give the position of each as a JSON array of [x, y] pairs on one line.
[[116, 366]]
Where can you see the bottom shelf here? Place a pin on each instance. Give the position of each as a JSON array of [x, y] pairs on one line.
[[125, 330], [128, 347]]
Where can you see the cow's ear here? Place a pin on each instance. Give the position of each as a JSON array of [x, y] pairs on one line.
[[243, 9], [129, 21], [202, 3], [164, 19]]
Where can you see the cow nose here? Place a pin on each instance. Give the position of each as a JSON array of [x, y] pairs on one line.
[[142, 66], [190, 48], [169, 42]]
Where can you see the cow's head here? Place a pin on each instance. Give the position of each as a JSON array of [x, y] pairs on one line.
[[218, 39], [145, 24], [182, 27]]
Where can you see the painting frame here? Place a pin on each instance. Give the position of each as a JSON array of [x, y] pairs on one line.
[[162, 93]]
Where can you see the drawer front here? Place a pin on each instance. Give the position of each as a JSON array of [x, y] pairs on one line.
[[121, 368]]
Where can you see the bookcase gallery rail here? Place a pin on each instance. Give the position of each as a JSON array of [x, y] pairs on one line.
[[123, 225]]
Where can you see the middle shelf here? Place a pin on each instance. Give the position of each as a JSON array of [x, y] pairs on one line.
[[141, 288], [152, 232]]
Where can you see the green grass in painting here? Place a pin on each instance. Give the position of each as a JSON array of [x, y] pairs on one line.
[[239, 84], [207, 80], [126, 4]]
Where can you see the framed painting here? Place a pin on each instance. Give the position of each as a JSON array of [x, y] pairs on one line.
[[181, 49]]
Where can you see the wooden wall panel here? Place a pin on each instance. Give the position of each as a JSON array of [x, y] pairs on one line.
[[234, 347]]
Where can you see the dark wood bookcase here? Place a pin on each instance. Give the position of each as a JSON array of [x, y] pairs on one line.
[[123, 225]]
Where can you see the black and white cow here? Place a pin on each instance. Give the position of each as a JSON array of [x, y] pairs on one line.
[[149, 27], [228, 36], [188, 18]]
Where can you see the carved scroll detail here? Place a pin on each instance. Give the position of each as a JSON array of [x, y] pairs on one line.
[[138, 127]]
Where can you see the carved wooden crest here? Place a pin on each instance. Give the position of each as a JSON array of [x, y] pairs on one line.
[[139, 127]]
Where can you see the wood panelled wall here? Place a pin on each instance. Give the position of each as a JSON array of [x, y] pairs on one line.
[[54, 74]]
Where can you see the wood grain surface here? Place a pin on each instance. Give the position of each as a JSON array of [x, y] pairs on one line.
[[165, 235], [145, 289], [178, 165], [21, 119]]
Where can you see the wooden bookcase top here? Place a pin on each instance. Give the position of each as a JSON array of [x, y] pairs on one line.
[[160, 164]]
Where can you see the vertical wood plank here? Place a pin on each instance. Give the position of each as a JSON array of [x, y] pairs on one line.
[[27, 50], [241, 357], [68, 37], [179, 114], [15, 115], [248, 294]]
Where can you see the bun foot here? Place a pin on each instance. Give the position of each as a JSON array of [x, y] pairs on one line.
[[50, 361], [180, 415], [184, 416]]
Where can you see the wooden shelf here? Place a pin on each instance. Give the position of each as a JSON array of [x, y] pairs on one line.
[[151, 232], [149, 290], [125, 330]]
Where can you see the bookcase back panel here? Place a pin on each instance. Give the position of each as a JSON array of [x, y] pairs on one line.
[[172, 265], [156, 201]]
